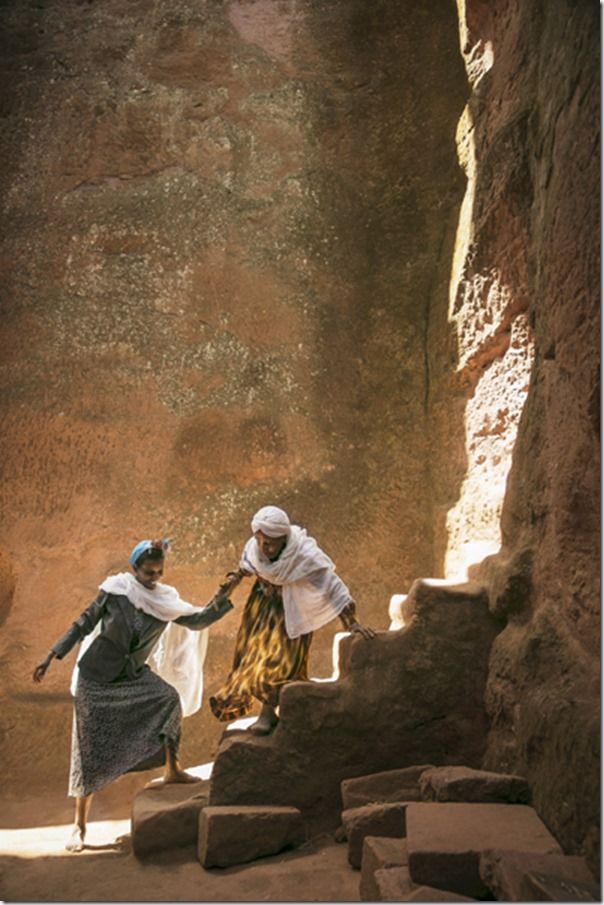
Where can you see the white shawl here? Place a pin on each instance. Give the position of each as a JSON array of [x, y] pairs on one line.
[[179, 655], [313, 594]]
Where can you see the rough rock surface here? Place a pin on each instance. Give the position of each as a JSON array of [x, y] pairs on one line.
[[380, 853], [533, 126], [505, 873], [416, 693], [372, 820], [432, 894], [167, 817], [392, 884], [389, 785], [445, 841], [229, 265], [464, 784], [234, 835], [226, 231]]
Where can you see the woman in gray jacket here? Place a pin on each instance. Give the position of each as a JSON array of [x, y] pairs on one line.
[[126, 717]]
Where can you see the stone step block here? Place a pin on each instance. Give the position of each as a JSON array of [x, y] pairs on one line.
[[392, 884], [387, 786], [379, 852], [432, 894], [514, 876], [372, 820], [167, 817], [465, 784], [550, 888], [445, 841], [234, 834]]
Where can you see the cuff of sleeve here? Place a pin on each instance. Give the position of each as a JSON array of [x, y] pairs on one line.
[[222, 605]]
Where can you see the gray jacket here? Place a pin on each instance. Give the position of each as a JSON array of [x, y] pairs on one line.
[[127, 635]]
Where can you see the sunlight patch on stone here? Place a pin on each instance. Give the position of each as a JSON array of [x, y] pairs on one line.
[[32, 842]]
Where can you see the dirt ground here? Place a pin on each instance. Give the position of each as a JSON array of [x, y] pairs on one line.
[[34, 867]]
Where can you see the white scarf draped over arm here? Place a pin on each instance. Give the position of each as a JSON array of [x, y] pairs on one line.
[[179, 655], [312, 592]]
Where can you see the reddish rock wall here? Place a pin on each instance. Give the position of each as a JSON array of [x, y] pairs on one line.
[[535, 114], [226, 229], [230, 274]]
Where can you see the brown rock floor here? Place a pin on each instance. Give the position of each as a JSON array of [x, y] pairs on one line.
[[35, 868]]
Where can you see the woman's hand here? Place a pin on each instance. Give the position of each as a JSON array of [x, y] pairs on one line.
[[363, 630], [40, 670], [351, 624]]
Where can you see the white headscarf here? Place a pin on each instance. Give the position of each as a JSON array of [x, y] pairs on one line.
[[179, 655], [312, 593], [272, 521]]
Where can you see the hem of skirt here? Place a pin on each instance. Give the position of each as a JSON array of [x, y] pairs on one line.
[[139, 767]]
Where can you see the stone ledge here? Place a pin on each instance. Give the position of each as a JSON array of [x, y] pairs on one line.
[[372, 820], [510, 875], [445, 841], [167, 816], [230, 835], [464, 784], [383, 787], [380, 852]]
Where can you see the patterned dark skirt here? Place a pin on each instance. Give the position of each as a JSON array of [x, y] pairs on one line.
[[119, 727], [265, 658]]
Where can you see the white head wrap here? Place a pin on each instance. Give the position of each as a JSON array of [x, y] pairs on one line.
[[272, 521], [312, 593]]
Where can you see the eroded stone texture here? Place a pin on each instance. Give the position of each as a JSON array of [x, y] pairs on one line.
[[432, 894], [463, 784], [385, 820], [535, 133], [507, 875], [392, 884], [380, 853], [416, 694], [445, 841], [222, 224], [234, 835], [167, 817], [390, 785]]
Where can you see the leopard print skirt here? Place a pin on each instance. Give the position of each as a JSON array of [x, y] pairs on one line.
[[265, 657]]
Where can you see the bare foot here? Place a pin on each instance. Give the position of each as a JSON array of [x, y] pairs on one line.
[[76, 840], [266, 722], [179, 776], [263, 726]]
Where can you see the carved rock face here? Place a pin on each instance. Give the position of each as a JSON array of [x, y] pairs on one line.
[[239, 268], [226, 239]]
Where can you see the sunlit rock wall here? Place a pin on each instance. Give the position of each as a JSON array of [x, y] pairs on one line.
[[227, 237], [484, 380], [533, 123]]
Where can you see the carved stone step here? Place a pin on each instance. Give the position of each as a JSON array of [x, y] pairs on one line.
[[445, 841], [381, 852], [388, 785], [372, 820], [167, 816], [465, 784], [236, 834], [519, 877]]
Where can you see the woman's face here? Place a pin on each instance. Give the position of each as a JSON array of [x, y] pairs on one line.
[[149, 572], [271, 547]]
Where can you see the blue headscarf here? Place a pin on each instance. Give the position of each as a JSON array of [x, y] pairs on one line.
[[145, 545]]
